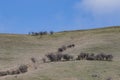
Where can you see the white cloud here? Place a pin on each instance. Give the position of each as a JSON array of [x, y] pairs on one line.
[[99, 7]]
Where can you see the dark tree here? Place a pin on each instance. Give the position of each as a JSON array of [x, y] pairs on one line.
[[51, 32]]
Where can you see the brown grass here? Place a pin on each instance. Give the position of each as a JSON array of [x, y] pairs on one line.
[[18, 49]]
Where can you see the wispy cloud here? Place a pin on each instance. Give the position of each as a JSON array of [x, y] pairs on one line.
[[97, 13], [99, 7]]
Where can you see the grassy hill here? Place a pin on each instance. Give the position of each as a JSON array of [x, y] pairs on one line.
[[18, 49]]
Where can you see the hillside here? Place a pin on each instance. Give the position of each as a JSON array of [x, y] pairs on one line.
[[18, 49]]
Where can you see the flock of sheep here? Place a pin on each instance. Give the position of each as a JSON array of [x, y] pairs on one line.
[[60, 56]]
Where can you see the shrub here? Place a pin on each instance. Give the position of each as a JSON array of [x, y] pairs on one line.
[[100, 57], [71, 45], [90, 58], [33, 60], [44, 60], [59, 56], [60, 50], [92, 54], [13, 72], [109, 78], [3, 73], [52, 57], [23, 68], [63, 47], [67, 57], [109, 57], [82, 56]]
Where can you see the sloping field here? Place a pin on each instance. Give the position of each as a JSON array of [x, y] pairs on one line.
[[18, 49]]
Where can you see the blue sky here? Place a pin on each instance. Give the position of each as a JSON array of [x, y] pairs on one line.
[[23, 16]]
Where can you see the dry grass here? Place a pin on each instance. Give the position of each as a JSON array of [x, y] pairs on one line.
[[18, 49]]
